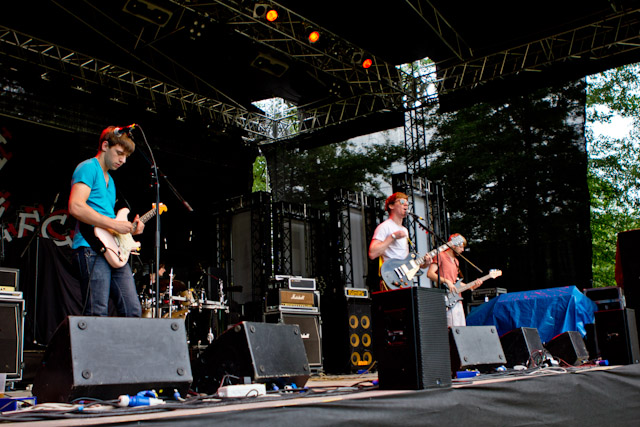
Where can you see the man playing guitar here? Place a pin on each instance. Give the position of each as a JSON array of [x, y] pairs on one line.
[[445, 269], [92, 201], [390, 239]]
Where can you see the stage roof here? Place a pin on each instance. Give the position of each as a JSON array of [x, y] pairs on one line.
[[214, 58]]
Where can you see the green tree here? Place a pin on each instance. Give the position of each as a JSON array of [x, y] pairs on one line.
[[514, 175], [307, 176], [614, 175]]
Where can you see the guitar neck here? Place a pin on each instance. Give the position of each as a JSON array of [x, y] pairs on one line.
[[146, 217], [433, 253], [470, 285]]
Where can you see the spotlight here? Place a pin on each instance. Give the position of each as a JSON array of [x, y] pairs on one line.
[[368, 62], [272, 15], [314, 36]]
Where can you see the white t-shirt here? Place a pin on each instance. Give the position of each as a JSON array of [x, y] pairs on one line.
[[399, 249]]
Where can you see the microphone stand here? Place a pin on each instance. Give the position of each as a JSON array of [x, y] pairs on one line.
[[155, 176], [438, 237]]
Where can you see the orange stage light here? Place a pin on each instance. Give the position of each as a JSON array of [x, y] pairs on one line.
[[272, 15], [367, 63], [314, 36]]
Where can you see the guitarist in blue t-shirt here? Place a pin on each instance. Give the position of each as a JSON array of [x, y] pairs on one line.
[[92, 202]]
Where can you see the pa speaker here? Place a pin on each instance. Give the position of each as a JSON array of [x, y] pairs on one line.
[[521, 346], [618, 336], [360, 334], [569, 347], [104, 357], [253, 352], [410, 339], [11, 337], [475, 347]]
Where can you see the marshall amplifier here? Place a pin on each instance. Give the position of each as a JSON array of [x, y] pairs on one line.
[[288, 300]]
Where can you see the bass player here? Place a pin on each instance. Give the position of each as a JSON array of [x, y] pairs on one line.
[[390, 239], [445, 269], [92, 201]]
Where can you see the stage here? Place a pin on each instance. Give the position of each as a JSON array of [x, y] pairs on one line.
[[582, 396]]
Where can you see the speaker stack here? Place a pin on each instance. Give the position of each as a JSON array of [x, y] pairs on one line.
[[295, 301], [11, 333], [410, 338], [616, 333], [617, 336], [360, 329]]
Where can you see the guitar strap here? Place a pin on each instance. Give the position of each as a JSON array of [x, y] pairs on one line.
[[87, 232]]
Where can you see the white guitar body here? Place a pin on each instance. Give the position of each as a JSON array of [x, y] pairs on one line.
[[118, 246]]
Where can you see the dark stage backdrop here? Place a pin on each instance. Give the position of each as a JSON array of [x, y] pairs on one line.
[[46, 129]]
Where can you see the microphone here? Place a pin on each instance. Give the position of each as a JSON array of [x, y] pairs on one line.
[[415, 216], [127, 129]]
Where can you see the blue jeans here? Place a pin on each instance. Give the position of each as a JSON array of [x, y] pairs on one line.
[[99, 280]]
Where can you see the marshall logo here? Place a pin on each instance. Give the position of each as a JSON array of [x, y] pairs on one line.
[[296, 298]]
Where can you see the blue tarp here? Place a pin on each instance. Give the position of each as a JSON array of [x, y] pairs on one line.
[[551, 311]]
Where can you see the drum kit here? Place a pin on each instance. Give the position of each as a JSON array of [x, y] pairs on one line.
[[191, 305]]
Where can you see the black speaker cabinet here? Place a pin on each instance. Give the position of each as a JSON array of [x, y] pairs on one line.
[[569, 347], [11, 337], [360, 334], [475, 347], [521, 346], [253, 352], [410, 339], [618, 336], [309, 331], [104, 357]]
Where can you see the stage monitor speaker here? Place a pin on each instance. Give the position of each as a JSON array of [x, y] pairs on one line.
[[253, 352], [309, 331], [11, 337], [522, 346], [569, 347], [104, 357], [360, 334], [475, 347], [410, 339], [618, 336]]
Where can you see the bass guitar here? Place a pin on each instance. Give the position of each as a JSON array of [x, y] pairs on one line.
[[398, 273], [453, 297], [118, 247]]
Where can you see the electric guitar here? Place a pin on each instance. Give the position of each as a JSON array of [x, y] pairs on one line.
[[118, 247], [453, 297], [398, 273]]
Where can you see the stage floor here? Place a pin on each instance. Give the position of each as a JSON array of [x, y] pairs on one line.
[[587, 396]]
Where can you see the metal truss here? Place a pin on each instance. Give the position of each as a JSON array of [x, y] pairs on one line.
[[415, 141], [435, 206], [614, 35], [332, 56], [88, 71], [439, 25], [125, 83]]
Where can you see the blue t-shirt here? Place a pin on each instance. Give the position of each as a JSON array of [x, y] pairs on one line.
[[102, 197]]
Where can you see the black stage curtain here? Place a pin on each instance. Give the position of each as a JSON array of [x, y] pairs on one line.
[[59, 293]]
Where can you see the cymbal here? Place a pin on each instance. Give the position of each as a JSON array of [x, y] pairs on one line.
[[178, 286]]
